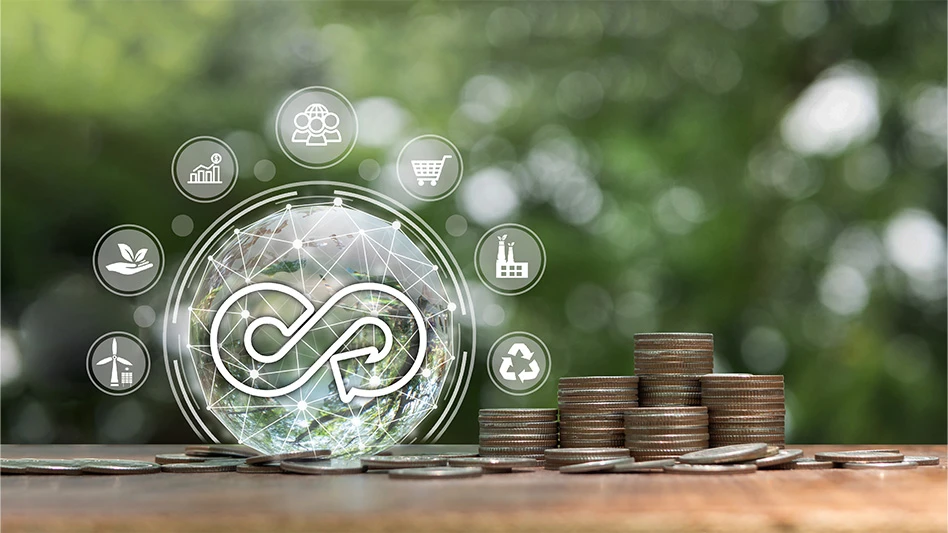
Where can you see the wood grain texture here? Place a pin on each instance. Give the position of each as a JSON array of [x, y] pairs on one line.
[[541, 501]]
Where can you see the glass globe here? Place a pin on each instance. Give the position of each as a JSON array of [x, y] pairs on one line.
[[318, 250]]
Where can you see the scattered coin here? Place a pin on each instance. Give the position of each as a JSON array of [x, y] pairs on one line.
[[643, 467], [923, 460], [177, 458], [446, 472], [806, 464], [220, 450], [207, 467], [64, 467], [727, 454], [119, 467], [308, 455], [335, 467], [711, 469], [861, 456], [900, 465], [606, 465], [265, 468], [13, 466], [402, 461], [495, 464], [783, 456]]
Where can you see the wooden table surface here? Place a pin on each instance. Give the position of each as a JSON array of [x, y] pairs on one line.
[[541, 501]]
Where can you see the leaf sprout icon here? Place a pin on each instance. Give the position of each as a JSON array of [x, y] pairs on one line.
[[133, 264]]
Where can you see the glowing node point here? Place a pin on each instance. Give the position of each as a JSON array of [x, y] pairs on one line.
[[452, 306], [210, 258], [337, 202], [301, 405], [396, 225], [236, 231], [254, 374], [374, 381], [357, 422], [434, 268], [245, 314], [297, 244], [426, 373], [288, 207], [374, 312]]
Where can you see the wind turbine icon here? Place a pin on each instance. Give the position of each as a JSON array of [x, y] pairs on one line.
[[114, 359]]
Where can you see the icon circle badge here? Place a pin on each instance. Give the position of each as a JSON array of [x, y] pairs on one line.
[[128, 260], [317, 127], [429, 168], [510, 259], [519, 363], [204, 169], [118, 363]]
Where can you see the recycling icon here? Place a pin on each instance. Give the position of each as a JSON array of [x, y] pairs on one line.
[[507, 364]]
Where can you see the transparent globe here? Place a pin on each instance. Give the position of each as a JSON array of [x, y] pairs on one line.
[[319, 250]]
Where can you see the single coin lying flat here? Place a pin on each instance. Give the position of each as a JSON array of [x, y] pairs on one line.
[[119, 467], [436, 472], [923, 460], [783, 456], [494, 465], [402, 461], [901, 465], [336, 467], [711, 469], [207, 467], [862, 456]]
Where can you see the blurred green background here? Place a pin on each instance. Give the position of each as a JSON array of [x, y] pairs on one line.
[[773, 173]]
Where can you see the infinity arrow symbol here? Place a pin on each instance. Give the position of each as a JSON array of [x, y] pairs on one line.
[[303, 324]]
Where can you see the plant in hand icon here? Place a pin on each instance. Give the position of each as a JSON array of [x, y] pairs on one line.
[[133, 264]]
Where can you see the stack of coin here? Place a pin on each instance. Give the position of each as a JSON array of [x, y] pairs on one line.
[[690, 354], [558, 457], [517, 432], [665, 432], [666, 390], [591, 410], [744, 408]]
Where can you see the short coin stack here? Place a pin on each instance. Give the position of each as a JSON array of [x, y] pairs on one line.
[[669, 366], [517, 432], [559, 457], [744, 408], [665, 432], [591, 410]]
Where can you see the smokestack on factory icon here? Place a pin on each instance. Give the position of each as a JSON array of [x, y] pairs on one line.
[[507, 268]]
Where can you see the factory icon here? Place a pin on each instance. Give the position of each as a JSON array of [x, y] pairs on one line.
[[507, 267]]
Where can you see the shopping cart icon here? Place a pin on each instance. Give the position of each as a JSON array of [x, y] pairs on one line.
[[428, 170]]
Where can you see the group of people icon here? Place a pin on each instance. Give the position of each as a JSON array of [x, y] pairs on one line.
[[316, 126]]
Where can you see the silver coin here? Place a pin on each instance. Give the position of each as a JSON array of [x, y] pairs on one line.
[[265, 468], [335, 467], [900, 465], [219, 450], [178, 458], [402, 461], [494, 464], [806, 464], [711, 469], [207, 467], [117, 467], [308, 455], [861, 456], [436, 472], [923, 460], [782, 456], [64, 467], [606, 465], [726, 454], [643, 467]]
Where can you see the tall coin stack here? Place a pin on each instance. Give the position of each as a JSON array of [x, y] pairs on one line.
[[744, 408], [665, 432], [517, 432], [670, 365], [592, 410]]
